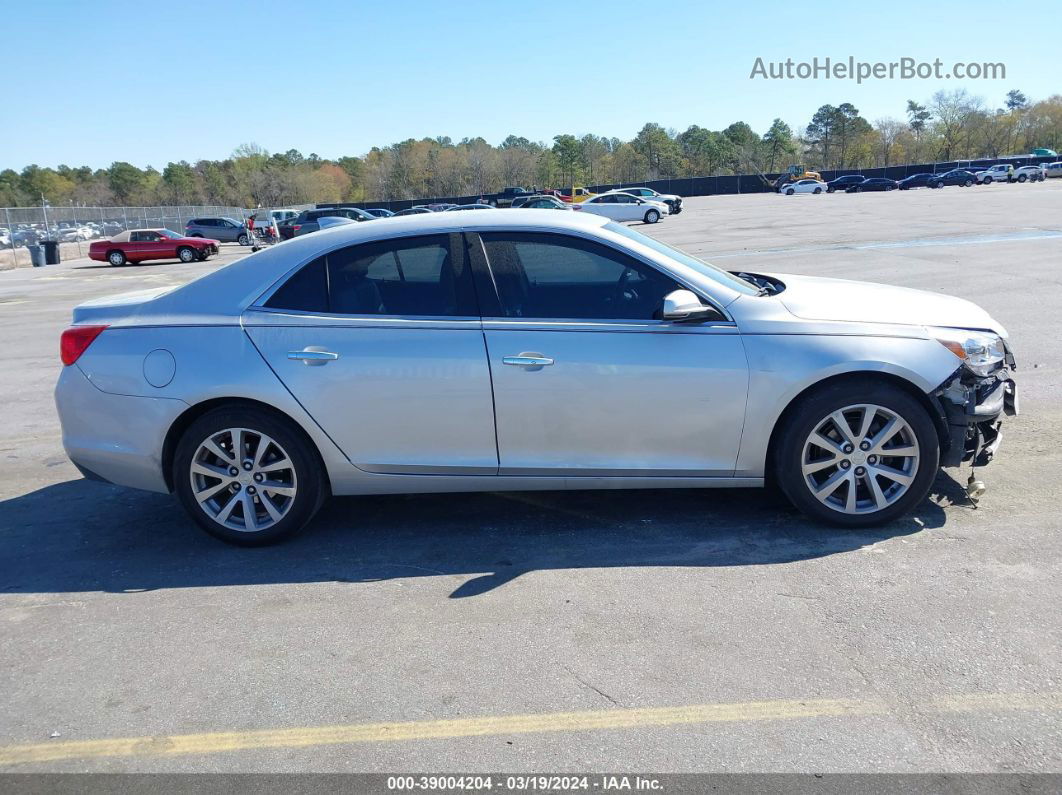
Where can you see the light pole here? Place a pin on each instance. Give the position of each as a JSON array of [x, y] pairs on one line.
[[44, 210]]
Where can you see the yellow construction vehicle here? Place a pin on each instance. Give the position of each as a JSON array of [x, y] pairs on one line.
[[794, 173]]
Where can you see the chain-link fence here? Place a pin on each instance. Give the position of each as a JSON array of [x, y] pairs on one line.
[[75, 227]]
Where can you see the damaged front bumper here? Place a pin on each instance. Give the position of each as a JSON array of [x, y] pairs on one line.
[[972, 407]]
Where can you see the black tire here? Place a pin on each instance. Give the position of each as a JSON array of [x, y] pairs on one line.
[[309, 475], [858, 189], [652, 216], [243, 239], [187, 254], [196, 234], [204, 255], [819, 404], [789, 192], [986, 181], [116, 258], [1022, 177], [817, 191], [968, 183]]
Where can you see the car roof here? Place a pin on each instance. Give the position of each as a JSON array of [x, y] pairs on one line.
[[221, 296], [123, 237]]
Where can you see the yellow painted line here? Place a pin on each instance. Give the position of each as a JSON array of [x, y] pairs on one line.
[[611, 719]]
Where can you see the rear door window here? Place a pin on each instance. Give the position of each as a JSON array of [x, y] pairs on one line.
[[414, 276], [407, 277]]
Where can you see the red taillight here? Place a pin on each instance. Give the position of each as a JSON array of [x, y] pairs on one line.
[[75, 341], [296, 227]]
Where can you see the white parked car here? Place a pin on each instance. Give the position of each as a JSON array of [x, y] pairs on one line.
[[620, 206], [1030, 174], [805, 186], [1053, 169], [673, 202], [1001, 172]]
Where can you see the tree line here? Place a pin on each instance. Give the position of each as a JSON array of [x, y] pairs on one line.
[[949, 125]]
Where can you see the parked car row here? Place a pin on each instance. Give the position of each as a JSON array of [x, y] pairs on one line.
[[964, 177], [622, 204], [63, 232]]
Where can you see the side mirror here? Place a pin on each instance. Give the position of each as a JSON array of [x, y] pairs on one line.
[[684, 306]]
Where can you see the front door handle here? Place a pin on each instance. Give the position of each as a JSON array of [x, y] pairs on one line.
[[313, 356], [530, 360]]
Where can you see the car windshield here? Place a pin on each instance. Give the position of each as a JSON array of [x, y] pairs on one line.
[[705, 269], [169, 234]]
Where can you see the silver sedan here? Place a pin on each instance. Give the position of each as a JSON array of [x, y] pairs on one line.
[[502, 350]]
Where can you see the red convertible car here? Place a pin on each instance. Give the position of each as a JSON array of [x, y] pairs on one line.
[[137, 245]]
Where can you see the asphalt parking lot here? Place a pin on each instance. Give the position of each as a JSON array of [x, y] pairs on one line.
[[557, 632]]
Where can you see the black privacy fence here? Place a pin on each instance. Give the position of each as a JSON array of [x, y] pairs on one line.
[[724, 185]]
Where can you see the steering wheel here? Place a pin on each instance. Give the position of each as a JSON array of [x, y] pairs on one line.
[[623, 292]]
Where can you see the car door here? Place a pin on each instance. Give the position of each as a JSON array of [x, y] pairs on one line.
[[602, 205], [138, 248], [155, 246], [586, 381], [231, 230], [628, 208], [382, 344]]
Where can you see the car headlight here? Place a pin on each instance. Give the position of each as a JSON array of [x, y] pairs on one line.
[[981, 351]]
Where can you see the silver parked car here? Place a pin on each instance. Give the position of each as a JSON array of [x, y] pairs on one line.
[[225, 230], [501, 350]]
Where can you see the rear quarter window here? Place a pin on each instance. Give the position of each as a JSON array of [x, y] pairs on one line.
[[304, 291]]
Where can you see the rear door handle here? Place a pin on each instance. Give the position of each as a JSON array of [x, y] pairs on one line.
[[313, 356], [528, 360]]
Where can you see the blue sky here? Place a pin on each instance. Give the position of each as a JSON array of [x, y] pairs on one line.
[[152, 82]]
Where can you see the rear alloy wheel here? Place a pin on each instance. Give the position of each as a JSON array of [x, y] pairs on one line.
[[858, 454], [1022, 178], [116, 258], [187, 254], [246, 477], [652, 216]]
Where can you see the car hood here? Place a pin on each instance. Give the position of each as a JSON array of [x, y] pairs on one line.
[[817, 298]]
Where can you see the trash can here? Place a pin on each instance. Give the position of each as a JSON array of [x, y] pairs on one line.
[[51, 252], [36, 255]]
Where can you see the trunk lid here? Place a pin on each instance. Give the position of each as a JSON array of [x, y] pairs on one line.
[[111, 308]]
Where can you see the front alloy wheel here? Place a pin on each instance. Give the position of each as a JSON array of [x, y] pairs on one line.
[[857, 453], [860, 459]]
